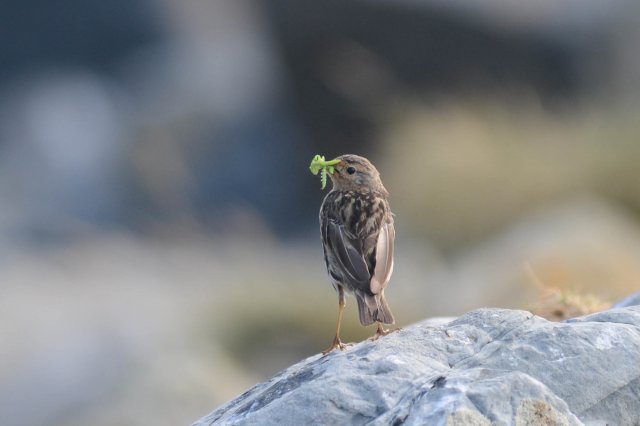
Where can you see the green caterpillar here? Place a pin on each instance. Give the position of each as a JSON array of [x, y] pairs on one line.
[[320, 165]]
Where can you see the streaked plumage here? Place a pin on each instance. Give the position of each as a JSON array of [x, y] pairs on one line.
[[358, 235]]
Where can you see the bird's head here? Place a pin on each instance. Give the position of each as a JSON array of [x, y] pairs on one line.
[[355, 173]]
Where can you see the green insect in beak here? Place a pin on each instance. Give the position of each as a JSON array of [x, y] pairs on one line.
[[320, 165]]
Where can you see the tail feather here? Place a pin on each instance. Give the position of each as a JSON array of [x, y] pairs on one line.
[[374, 308]]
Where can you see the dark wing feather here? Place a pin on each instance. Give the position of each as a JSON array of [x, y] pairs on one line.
[[347, 252]]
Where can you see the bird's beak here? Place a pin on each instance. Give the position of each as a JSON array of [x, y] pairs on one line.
[[333, 163]]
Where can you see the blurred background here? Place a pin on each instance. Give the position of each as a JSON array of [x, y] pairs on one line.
[[159, 243]]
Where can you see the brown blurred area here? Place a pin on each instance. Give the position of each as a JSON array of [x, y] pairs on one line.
[[159, 244]]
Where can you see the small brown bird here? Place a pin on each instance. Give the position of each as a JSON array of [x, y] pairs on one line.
[[357, 230]]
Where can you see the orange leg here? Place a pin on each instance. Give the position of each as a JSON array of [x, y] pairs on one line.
[[382, 332], [337, 343]]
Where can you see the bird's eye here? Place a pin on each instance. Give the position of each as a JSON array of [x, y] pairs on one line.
[[351, 170]]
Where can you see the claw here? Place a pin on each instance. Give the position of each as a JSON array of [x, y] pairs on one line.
[[337, 344], [382, 332]]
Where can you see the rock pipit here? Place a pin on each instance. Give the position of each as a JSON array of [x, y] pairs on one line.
[[357, 230]]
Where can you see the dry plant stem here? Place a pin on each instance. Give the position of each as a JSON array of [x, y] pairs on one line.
[[337, 343]]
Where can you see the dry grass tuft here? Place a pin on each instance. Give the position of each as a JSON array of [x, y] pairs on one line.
[[556, 304]]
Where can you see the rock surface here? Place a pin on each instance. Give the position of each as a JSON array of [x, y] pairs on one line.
[[487, 367]]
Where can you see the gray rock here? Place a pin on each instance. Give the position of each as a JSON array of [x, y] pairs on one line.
[[488, 367], [633, 300]]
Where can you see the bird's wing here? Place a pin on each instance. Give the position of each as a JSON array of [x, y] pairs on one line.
[[347, 252], [384, 258]]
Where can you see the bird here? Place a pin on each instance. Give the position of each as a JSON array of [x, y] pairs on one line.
[[357, 232]]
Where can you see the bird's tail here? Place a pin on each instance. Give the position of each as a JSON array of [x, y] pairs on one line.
[[372, 308]]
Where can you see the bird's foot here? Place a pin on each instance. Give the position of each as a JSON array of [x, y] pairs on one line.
[[337, 344], [382, 332]]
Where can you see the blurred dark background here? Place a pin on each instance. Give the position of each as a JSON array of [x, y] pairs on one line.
[[159, 244]]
